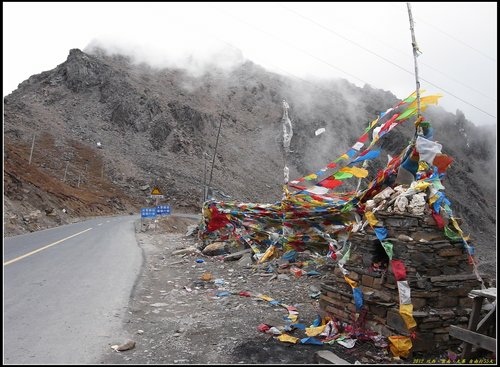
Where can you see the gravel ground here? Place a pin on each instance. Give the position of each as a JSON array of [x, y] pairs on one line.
[[184, 311]]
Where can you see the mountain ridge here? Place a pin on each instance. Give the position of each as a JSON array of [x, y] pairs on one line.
[[158, 127]]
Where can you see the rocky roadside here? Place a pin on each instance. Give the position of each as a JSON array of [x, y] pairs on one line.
[[186, 308]]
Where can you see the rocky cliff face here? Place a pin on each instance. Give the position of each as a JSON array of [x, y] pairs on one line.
[[159, 127]]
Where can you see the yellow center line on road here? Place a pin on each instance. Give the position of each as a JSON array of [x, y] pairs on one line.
[[45, 247]]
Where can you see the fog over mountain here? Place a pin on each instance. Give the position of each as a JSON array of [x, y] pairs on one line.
[[158, 126]]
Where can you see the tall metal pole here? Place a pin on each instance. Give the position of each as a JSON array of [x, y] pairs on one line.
[[32, 146], [416, 52], [215, 151], [204, 177]]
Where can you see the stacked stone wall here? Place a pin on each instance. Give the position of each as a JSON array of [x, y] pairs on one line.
[[438, 272]]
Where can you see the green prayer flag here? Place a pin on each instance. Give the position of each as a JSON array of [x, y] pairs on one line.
[[347, 207], [407, 113], [342, 175], [388, 248], [452, 235]]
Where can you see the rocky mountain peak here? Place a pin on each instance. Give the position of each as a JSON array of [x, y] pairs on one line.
[[159, 127]]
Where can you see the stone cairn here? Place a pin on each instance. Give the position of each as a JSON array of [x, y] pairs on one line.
[[438, 270]]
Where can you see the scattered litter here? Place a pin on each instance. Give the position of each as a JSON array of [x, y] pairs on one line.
[[348, 343], [206, 277], [319, 131], [263, 327], [311, 340], [129, 344], [285, 338], [313, 273], [219, 281]]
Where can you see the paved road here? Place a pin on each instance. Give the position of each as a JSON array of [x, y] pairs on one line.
[[66, 290]]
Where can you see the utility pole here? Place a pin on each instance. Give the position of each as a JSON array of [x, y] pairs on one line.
[[215, 150], [416, 53], [66, 170], [204, 177], [32, 146]]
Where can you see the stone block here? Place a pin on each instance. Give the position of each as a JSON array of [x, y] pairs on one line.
[[459, 291], [446, 302], [418, 303], [377, 283], [379, 311], [367, 280], [450, 278], [401, 222], [428, 326], [337, 303], [428, 236], [353, 275], [448, 270], [446, 314], [450, 252], [420, 314], [424, 342], [328, 357], [395, 321]]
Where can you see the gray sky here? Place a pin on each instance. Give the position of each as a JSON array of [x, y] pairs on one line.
[[362, 42]]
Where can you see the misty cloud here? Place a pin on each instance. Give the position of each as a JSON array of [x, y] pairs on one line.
[[203, 57]]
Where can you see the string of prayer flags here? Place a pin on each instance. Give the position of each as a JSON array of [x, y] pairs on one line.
[[352, 153]]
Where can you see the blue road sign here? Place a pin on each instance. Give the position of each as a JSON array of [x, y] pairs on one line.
[[148, 212], [163, 210]]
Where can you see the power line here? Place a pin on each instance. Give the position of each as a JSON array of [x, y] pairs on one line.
[[458, 40], [388, 45], [292, 45], [385, 59], [283, 71]]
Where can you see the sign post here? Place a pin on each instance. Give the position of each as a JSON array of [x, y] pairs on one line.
[[157, 195]]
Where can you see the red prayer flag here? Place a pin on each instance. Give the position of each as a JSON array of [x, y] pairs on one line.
[[399, 270]]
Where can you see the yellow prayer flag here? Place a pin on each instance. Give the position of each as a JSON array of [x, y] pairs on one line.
[[264, 297], [455, 224], [288, 339], [423, 166], [406, 312], [400, 345], [351, 282], [310, 177], [427, 100], [422, 185], [370, 217], [269, 254], [433, 199], [313, 331], [356, 171]]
